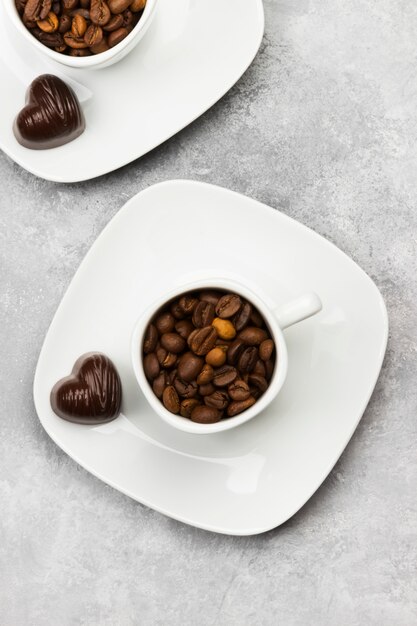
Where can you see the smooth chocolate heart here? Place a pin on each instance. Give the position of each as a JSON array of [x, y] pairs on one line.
[[92, 394], [52, 115]]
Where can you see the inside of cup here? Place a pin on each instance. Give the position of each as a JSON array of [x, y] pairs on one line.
[[254, 320]]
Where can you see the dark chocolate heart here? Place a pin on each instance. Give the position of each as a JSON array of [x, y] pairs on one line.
[[52, 115], [92, 394]]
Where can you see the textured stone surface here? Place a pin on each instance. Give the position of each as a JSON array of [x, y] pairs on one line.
[[322, 127]]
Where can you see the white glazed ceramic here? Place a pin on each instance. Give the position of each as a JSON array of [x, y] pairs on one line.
[[287, 315], [188, 59], [93, 62], [252, 478]]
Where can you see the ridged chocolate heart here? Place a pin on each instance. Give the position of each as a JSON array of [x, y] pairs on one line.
[[52, 115], [92, 394]]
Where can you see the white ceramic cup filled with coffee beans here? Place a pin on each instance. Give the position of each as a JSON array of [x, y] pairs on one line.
[[83, 34], [211, 355]]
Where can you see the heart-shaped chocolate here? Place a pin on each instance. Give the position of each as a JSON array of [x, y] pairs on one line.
[[52, 115], [92, 394]]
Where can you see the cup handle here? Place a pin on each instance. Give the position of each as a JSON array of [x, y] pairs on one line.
[[298, 310]]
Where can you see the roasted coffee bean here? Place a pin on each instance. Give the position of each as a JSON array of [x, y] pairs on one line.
[[175, 308], [237, 407], [224, 376], [172, 375], [210, 296], [56, 8], [46, 6], [206, 375], [185, 389], [171, 400], [228, 305], [253, 336], [247, 359], [115, 22], [259, 382], [85, 4], [259, 368], [83, 12], [93, 35], [151, 366], [218, 400], [223, 342], [80, 52], [173, 342], [202, 340], [166, 359], [128, 21], [118, 6], [65, 23], [69, 5], [78, 28], [20, 6], [165, 323], [269, 366], [188, 406], [205, 415], [160, 352], [255, 393], [151, 339], [99, 12], [76, 43], [206, 390], [159, 384], [188, 304], [36, 10], [189, 366], [225, 328], [61, 48], [234, 351], [49, 24], [51, 40], [100, 47], [137, 5], [203, 314], [256, 318], [217, 356], [184, 328], [31, 26], [170, 360], [242, 317], [239, 390], [35, 31], [266, 349]]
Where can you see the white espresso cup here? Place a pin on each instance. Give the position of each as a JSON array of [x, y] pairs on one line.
[[95, 61], [276, 320]]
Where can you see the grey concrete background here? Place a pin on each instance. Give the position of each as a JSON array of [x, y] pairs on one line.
[[322, 127]]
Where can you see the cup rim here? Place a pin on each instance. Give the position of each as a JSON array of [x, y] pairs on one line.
[[277, 380], [82, 62]]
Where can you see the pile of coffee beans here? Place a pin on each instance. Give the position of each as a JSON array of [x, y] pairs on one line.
[[80, 28], [208, 355]]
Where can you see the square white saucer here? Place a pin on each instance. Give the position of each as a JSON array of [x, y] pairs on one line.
[[192, 54], [252, 478]]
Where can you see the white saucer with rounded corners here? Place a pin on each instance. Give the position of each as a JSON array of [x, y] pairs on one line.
[[252, 478], [192, 54]]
